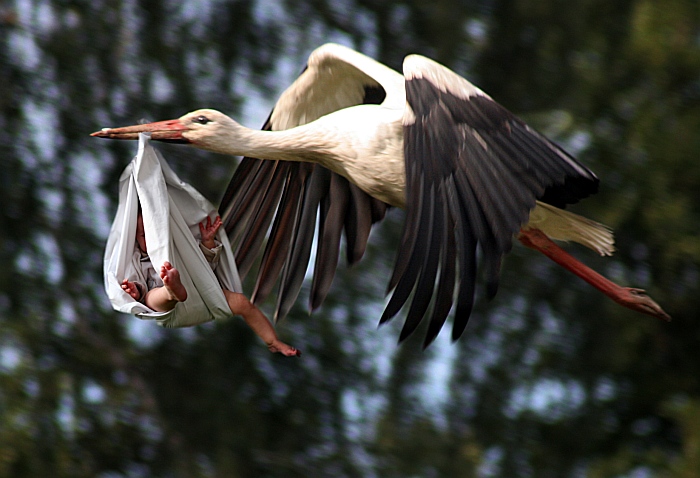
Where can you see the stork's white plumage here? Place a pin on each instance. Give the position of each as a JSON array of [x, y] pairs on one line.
[[350, 137]]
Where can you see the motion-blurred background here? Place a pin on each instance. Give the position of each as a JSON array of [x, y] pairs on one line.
[[551, 379]]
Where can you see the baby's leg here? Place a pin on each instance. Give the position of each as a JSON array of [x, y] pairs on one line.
[[163, 299], [256, 320]]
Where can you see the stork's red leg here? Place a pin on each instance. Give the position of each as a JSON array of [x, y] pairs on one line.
[[635, 299]]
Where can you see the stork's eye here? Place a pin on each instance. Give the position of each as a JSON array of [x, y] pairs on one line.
[[201, 119]]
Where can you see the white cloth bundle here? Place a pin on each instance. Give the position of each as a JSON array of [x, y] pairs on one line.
[[172, 211]]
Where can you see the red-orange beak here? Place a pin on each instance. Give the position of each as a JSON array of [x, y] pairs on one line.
[[169, 131]]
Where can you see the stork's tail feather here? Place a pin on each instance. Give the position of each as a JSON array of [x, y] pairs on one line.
[[562, 225]]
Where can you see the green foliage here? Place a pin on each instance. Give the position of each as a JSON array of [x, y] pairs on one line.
[[550, 379]]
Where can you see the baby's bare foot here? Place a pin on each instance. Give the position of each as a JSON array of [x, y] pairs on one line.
[[131, 289], [280, 347], [172, 283]]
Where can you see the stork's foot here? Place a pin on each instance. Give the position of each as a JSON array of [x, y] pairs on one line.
[[638, 300], [634, 299]]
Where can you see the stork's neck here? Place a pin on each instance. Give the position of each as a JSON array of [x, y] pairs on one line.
[[297, 144], [371, 157]]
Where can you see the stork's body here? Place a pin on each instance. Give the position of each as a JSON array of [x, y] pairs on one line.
[[352, 136]]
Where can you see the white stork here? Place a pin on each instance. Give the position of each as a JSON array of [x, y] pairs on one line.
[[350, 137]]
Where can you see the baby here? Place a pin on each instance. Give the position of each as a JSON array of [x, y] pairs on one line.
[[164, 289]]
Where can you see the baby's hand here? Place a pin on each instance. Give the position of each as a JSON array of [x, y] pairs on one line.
[[131, 289], [208, 231]]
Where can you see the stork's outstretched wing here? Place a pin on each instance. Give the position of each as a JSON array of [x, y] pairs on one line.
[[277, 204], [473, 174]]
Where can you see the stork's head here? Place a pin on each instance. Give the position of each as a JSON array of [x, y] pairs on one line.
[[200, 128]]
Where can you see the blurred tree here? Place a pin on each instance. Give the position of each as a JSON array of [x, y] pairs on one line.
[[549, 380]]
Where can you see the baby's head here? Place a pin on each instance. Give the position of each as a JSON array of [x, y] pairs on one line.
[[140, 232]]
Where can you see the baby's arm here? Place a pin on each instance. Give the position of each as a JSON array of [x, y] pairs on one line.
[[210, 247], [208, 231]]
